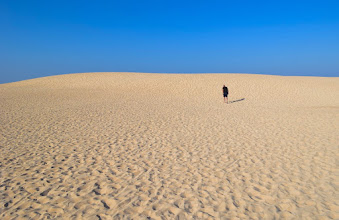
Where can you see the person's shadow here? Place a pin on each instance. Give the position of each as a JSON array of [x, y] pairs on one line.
[[238, 100]]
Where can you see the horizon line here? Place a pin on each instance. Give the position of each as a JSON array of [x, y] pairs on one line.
[[183, 73]]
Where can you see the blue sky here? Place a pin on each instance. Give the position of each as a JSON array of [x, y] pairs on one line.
[[41, 38]]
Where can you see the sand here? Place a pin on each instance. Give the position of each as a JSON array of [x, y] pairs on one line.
[[165, 146]]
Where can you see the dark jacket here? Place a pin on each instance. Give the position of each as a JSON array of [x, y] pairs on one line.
[[225, 90]]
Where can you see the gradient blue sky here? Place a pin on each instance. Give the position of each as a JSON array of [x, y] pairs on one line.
[[41, 38]]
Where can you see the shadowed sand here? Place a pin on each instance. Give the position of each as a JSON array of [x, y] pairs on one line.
[[165, 146]]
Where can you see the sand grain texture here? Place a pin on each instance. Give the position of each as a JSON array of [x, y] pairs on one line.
[[165, 146]]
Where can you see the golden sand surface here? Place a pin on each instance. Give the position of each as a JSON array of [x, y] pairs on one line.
[[166, 146]]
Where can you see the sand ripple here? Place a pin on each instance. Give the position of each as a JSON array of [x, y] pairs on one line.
[[150, 146]]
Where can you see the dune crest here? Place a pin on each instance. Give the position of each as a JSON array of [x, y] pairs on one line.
[[165, 146]]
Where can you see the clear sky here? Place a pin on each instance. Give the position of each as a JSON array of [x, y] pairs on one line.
[[50, 37]]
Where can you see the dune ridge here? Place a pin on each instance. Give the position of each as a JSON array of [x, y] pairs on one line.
[[165, 146]]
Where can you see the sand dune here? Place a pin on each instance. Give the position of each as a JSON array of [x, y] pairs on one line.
[[165, 146]]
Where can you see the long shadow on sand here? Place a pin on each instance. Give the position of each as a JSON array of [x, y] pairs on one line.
[[238, 100]]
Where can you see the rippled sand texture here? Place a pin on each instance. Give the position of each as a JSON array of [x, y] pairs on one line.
[[165, 146]]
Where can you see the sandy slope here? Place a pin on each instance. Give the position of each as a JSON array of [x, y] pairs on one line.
[[104, 145]]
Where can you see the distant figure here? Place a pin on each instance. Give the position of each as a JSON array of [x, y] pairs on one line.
[[225, 92]]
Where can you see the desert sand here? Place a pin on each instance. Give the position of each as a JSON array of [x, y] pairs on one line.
[[166, 146]]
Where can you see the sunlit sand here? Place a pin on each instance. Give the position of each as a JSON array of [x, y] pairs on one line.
[[165, 146]]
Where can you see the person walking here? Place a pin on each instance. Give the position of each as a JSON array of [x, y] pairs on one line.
[[225, 92]]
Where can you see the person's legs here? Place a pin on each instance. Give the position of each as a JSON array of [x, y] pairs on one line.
[[226, 98]]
